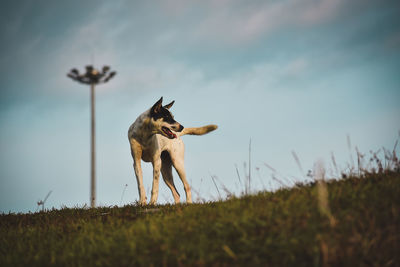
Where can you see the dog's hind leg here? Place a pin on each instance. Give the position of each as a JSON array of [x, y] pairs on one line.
[[177, 161], [179, 167], [166, 171]]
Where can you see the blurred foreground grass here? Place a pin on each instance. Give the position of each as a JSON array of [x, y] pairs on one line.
[[284, 228]]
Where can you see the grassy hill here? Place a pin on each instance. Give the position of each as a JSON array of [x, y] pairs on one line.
[[354, 221]]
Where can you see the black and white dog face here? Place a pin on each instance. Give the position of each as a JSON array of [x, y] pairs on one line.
[[163, 119]]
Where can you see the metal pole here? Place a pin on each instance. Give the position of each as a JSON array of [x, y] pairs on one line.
[[92, 149], [92, 77]]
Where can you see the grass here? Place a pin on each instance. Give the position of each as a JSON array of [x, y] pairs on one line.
[[352, 221], [283, 228]]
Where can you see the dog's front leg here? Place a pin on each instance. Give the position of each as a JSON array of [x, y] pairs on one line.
[[136, 151], [156, 179], [139, 179]]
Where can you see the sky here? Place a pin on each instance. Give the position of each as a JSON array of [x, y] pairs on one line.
[[288, 76]]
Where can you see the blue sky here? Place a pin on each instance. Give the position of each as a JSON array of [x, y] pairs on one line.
[[291, 75]]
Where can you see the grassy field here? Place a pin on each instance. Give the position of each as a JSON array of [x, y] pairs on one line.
[[354, 221]]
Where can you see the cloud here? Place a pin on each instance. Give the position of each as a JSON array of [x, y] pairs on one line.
[[392, 42], [241, 22], [296, 67], [162, 46], [314, 12]]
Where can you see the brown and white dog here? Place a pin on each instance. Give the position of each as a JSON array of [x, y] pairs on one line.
[[155, 137]]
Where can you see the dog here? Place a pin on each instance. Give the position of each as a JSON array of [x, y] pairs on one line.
[[155, 137]]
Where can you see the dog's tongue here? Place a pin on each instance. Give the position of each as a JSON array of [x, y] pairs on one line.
[[170, 133]]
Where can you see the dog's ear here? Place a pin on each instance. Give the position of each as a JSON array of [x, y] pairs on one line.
[[169, 105], [157, 106]]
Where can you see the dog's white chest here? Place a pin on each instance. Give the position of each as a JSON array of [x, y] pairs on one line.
[[158, 144]]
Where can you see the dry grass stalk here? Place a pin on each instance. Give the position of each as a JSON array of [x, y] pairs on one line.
[[322, 189]]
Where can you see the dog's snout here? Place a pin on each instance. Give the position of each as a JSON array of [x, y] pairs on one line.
[[177, 127]]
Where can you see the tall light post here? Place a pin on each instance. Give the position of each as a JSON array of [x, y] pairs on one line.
[[92, 77]]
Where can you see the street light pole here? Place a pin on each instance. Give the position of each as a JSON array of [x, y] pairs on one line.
[[92, 77], [92, 149]]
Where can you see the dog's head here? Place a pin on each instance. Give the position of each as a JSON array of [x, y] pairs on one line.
[[163, 119]]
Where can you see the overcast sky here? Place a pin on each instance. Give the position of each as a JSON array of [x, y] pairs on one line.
[[289, 75]]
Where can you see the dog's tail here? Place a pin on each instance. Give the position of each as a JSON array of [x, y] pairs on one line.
[[198, 130]]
